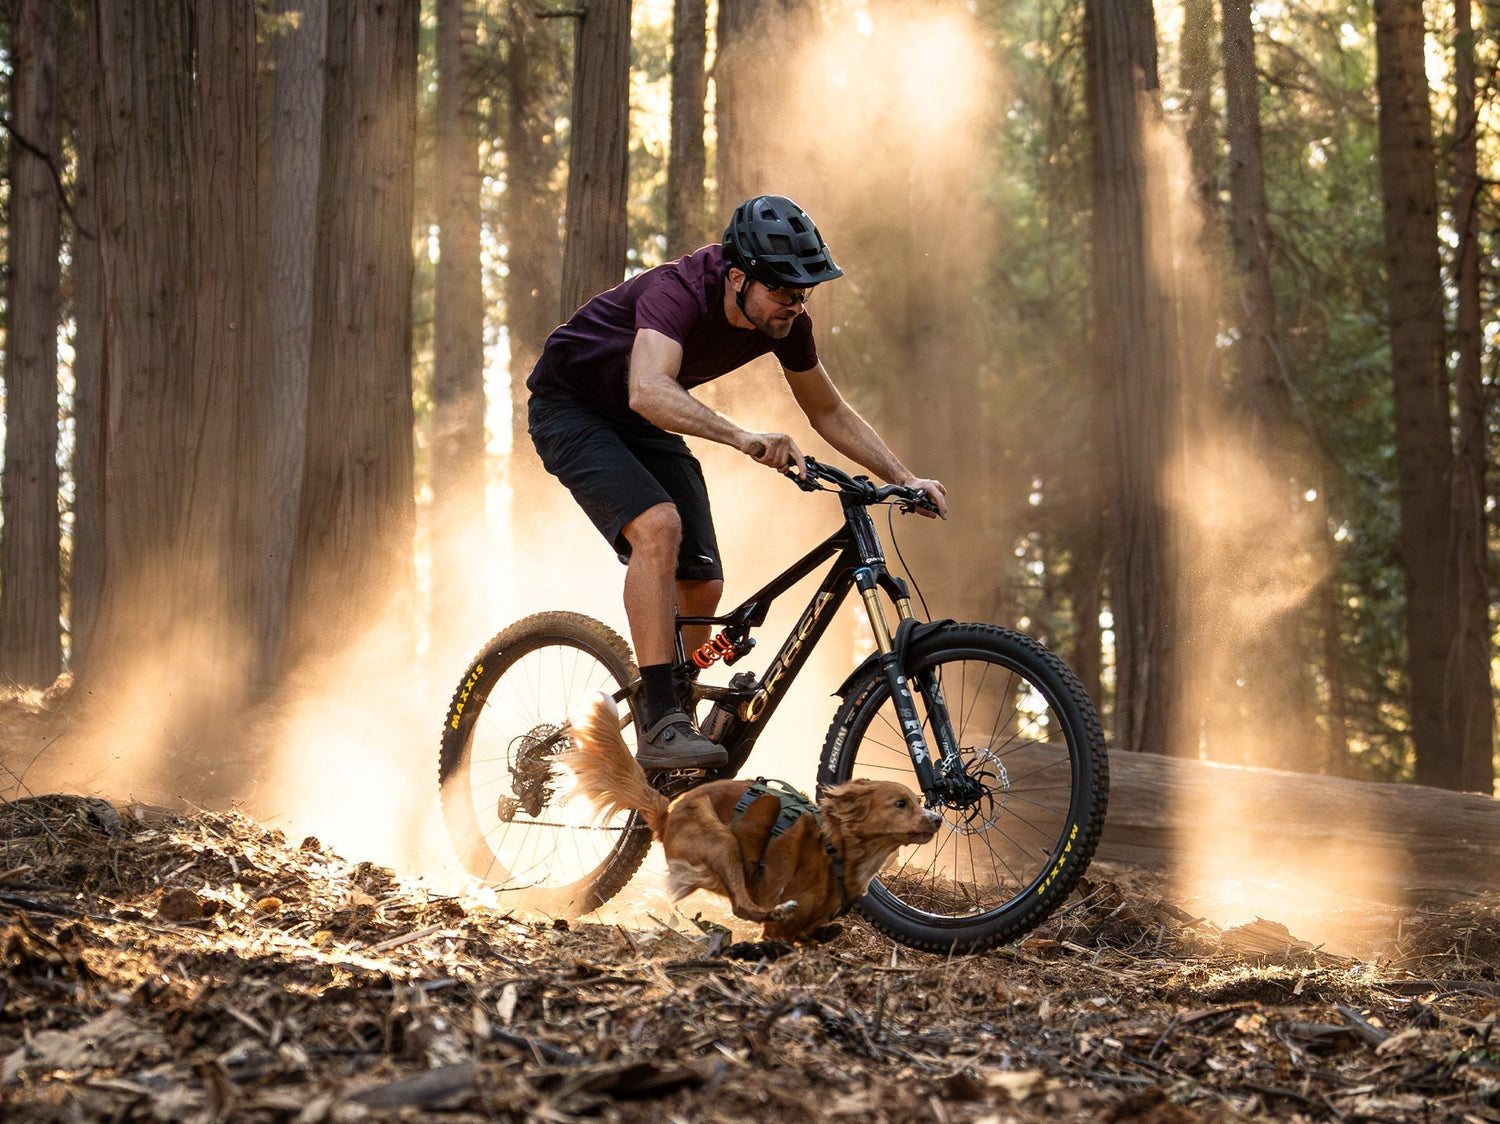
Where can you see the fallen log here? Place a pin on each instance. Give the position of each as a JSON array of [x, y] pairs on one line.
[[1393, 843]]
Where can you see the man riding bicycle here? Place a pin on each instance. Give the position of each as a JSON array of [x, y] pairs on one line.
[[610, 399]]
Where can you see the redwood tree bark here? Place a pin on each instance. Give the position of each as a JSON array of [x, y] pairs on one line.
[[1134, 347], [280, 400], [751, 38], [174, 164], [355, 530], [1424, 451], [1273, 657], [687, 165], [457, 447], [30, 545], [1472, 712], [529, 208], [598, 162]]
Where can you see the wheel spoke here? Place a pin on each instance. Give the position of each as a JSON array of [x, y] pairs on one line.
[[992, 871], [511, 808]]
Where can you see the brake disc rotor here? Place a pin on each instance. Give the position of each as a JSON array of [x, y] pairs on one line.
[[986, 810]]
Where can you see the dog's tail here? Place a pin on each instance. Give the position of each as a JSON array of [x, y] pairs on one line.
[[607, 774]]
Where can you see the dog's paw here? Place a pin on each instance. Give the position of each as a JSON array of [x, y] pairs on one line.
[[756, 950], [782, 911]]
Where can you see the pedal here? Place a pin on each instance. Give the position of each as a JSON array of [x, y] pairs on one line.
[[674, 782]]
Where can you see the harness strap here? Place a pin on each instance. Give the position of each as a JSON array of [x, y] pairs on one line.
[[794, 805]]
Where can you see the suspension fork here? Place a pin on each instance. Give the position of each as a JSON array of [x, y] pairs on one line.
[[950, 763], [895, 676]]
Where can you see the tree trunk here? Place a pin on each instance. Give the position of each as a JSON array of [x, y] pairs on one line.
[[280, 400], [1336, 761], [355, 531], [1133, 318], [687, 166], [226, 317], [1200, 326], [1262, 386], [733, 67], [598, 163], [30, 566], [1472, 714], [86, 573], [529, 216], [174, 162], [176, 125], [1424, 451], [753, 154], [457, 447]]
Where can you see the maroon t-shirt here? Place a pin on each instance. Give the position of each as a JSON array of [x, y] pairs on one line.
[[588, 358]]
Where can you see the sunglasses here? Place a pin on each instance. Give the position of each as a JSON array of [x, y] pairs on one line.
[[788, 298]]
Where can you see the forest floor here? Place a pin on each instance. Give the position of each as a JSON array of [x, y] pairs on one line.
[[196, 966]]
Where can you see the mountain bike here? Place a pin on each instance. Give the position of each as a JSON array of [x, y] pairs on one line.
[[989, 725]]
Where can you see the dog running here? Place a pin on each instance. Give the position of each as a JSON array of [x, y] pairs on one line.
[[780, 859]]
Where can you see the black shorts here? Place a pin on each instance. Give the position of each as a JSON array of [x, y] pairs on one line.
[[618, 468]]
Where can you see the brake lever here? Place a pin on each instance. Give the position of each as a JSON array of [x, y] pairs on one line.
[[803, 481], [916, 503]]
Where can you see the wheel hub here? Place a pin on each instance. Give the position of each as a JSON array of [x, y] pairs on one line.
[[980, 796]]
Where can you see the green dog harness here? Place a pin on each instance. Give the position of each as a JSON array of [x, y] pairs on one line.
[[794, 805]]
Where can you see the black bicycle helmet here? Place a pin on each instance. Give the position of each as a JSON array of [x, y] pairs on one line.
[[774, 242]]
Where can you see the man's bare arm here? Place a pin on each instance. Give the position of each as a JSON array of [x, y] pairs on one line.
[[840, 425], [657, 396]]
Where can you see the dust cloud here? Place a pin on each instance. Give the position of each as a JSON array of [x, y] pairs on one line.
[[356, 752], [1250, 532]]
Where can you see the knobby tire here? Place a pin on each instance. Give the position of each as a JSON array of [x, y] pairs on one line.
[[508, 807], [1014, 846]]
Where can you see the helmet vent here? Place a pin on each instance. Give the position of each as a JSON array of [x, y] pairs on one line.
[[775, 242]]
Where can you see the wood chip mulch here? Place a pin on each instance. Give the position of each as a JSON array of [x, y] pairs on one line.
[[199, 967]]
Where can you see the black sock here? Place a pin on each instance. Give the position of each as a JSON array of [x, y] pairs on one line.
[[656, 685]]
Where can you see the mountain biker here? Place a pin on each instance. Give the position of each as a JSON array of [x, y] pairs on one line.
[[610, 399]]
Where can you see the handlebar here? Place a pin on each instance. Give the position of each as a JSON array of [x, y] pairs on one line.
[[861, 488]]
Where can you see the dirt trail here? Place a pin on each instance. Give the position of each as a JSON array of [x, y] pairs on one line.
[[197, 967]]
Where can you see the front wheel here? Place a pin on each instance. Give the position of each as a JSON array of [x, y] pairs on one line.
[[1022, 821], [509, 807]]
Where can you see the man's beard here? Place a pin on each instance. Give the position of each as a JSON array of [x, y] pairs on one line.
[[776, 328]]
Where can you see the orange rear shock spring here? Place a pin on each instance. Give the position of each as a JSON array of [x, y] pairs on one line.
[[720, 647]]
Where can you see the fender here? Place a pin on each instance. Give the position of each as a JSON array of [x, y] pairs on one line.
[[907, 632]]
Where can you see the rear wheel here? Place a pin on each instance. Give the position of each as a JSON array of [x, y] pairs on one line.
[[1019, 825], [509, 807]]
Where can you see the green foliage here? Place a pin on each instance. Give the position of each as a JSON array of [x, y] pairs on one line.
[[650, 134]]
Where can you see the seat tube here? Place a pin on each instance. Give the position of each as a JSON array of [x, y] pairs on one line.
[[901, 696]]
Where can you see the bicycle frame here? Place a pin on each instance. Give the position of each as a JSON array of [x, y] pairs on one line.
[[858, 563]]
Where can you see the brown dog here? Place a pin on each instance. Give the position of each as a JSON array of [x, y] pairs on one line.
[[719, 837]]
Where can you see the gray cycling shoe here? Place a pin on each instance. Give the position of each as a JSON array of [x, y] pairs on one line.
[[673, 743]]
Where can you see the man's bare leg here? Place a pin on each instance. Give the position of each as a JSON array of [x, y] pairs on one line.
[[697, 599], [655, 536], [669, 740]]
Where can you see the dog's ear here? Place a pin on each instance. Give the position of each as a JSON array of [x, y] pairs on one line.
[[850, 800]]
